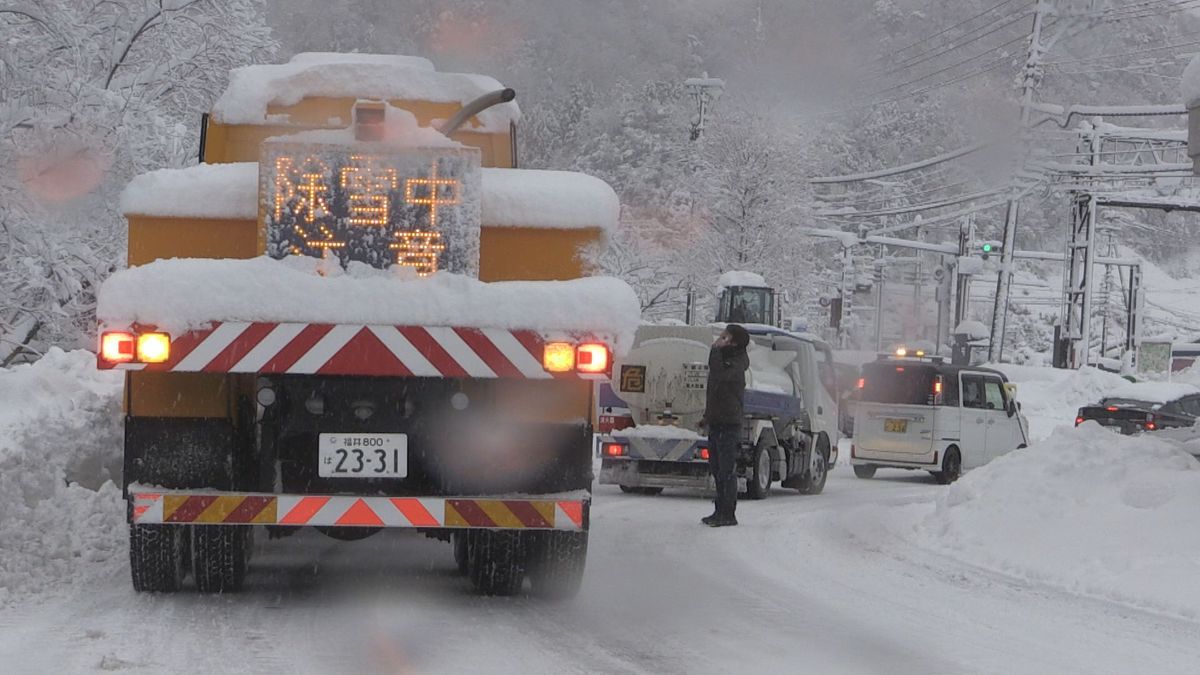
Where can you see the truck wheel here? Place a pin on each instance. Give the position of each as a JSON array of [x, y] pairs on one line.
[[631, 490], [157, 557], [220, 554], [864, 471], [758, 480], [496, 561], [813, 482], [459, 541], [951, 467], [556, 566]]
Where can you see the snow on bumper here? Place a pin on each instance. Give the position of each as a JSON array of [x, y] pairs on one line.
[[182, 507], [300, 348]]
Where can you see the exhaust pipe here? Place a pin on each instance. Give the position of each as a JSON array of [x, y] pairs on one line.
[[475, 107]]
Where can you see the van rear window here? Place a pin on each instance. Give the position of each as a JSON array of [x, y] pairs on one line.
[[898, 384]]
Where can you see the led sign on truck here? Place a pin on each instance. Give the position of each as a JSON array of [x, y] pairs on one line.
[[416, 208]]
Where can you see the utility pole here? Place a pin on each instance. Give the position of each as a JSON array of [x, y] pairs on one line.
[[1032, 75]]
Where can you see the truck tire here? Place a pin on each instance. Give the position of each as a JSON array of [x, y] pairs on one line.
[[220, 556], [631, 490], [813, 482], [864, 470], [758, 477], [496, 561], [459, 541], [557, 560], [157, 557]]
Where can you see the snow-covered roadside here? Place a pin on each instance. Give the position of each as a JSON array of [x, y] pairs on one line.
[[61, 519], [1050, 397], [1085, 510]]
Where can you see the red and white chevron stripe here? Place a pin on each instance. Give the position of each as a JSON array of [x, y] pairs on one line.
[[342, 349]]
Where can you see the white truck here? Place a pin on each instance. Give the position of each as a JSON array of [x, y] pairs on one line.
[[790, 432]]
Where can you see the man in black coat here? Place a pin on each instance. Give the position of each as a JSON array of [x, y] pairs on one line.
[[723, 412]]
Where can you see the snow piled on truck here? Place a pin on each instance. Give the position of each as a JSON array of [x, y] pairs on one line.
[[1088, 511], [563, 200], [253, 89], [548, 199], [184, 294], [203, 191], [62, 521]]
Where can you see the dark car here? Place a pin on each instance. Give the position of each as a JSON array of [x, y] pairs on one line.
[[1145, 406]]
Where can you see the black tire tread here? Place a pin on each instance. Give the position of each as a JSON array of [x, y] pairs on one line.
[[157, 558], [219, 557], [496, 561], [557, 564]]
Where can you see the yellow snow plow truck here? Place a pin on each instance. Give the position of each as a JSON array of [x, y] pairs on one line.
[[356, 313]]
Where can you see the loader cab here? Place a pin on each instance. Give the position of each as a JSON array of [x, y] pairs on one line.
[[747, 304]]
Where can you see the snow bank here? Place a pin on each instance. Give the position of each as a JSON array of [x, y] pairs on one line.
[[181, 294], [62, 520], [201, 191], [1087, 510], [1153, 392], [736, 278], [1051, 397], [550, 199], [253, 88]]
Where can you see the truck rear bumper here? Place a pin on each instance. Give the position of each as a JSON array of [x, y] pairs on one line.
[[655, 473], [152, 506]]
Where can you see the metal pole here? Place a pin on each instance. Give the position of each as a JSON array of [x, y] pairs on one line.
[[847, 294], [879, 273], [1004, 279]]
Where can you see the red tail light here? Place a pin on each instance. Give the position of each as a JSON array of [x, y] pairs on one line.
[[591, 357], [1112, 408], [1078, 420], [117, 347], [703, 454], [614, 450], [862, 382]]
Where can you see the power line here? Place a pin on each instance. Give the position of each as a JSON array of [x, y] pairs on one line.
[[952, 67], [905, 65], [964, 22]]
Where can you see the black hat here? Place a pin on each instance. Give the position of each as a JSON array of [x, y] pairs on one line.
[[740, 337]]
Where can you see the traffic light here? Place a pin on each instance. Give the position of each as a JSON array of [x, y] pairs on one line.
[[989, 248]]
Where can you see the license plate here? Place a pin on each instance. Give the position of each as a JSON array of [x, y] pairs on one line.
[[895, 426], [362, 456]]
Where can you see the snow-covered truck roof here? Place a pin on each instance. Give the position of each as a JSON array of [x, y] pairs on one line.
[[510, 197], [734, 278], [183, 294], [253, 89]]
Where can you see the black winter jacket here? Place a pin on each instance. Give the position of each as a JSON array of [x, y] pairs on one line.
[[726, 385]]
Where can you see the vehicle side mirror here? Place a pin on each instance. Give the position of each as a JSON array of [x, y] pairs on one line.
[[1013, 407]]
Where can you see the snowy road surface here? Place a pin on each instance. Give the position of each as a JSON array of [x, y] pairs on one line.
[[806, 584]]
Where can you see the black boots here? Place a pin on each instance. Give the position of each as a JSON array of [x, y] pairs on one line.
[[719, 520]]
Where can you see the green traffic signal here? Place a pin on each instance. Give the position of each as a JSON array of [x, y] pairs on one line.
[[987, 248]]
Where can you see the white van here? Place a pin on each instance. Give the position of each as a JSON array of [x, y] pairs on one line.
[[921, 413]]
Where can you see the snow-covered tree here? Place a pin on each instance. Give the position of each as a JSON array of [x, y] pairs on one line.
[[95, 92]]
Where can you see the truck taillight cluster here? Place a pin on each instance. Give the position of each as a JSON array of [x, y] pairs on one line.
[[592, 358], [614, 450], [124, 347]]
